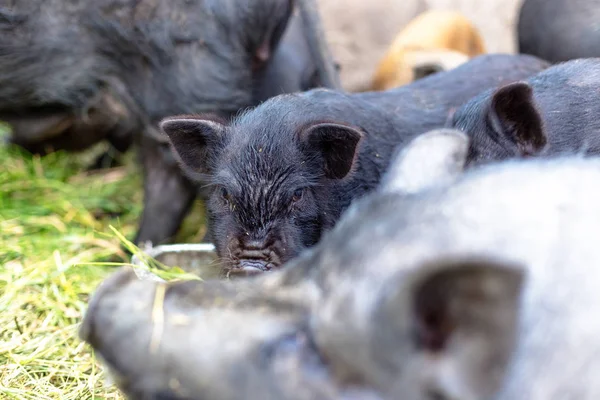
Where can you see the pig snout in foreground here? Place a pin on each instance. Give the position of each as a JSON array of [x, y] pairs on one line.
[[559, 30], [552, 113], [281, 174], [440, 284], [279, 358]]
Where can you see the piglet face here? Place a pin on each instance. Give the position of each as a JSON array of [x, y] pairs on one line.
[[273, 186], [262, 214]]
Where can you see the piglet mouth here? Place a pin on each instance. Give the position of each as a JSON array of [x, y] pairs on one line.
[[251, 267]]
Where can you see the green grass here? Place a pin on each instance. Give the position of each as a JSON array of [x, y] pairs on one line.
[[56, 246]]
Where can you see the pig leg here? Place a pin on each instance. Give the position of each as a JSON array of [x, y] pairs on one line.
[[120, 141], [109, 159], [168, 195], [315, 36]]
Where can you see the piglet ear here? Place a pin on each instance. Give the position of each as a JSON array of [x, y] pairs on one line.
[[193, 139], [463, 315], [514, 115], [434, 158], [337, 144]]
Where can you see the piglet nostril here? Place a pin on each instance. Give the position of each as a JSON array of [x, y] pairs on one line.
[[254, 244]]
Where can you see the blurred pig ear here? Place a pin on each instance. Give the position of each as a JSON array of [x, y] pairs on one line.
[[463, 315], [271, 20], [193, 139], [514, 115], [431, 159], [337, 144]]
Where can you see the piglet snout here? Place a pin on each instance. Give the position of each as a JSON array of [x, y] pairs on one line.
[[253, 265], [249, 268]]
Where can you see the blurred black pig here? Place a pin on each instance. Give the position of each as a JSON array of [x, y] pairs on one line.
[[74, 73], [439, 285], [559, 30], [283, 173]]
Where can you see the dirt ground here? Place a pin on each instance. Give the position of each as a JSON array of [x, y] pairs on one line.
[[359, 31]]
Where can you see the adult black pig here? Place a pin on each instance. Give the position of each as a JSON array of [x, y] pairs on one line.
[[482, 285], [554, 112], [73, 73], [283, 173], [559, 30]]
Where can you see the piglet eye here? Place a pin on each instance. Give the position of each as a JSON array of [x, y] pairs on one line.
[[298, 195], [225, 194]]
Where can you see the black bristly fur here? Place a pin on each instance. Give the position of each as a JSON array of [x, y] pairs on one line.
[[136, 41], [558, 30], [261, 161]]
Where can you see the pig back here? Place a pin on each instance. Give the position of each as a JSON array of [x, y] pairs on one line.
[[559, 30], [430, 102]]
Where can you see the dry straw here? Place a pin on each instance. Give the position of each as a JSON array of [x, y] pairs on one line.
[[62, 231]]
